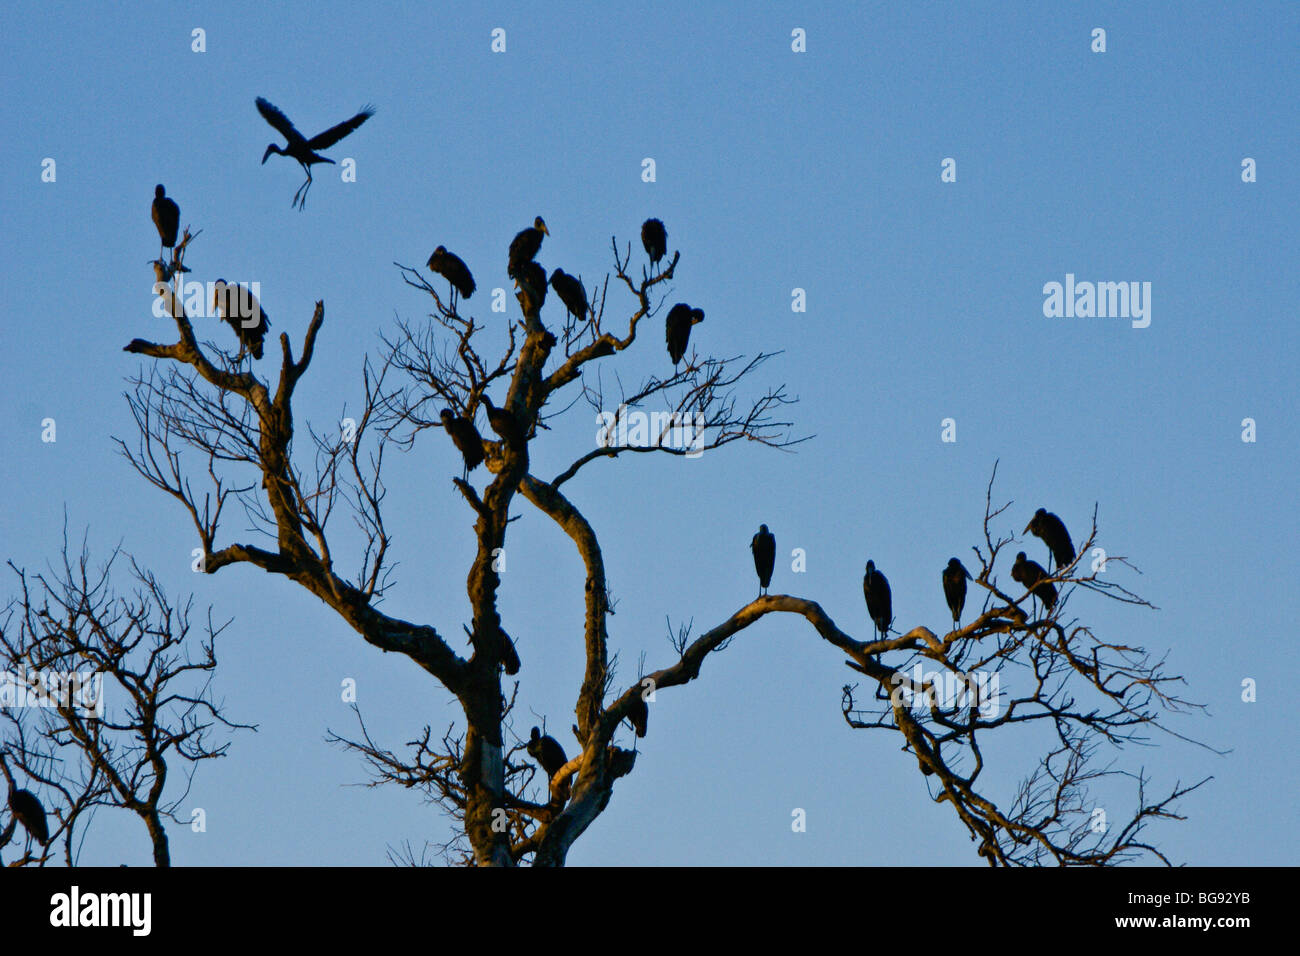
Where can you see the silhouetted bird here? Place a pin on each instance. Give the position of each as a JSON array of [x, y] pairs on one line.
[[27, 810], [640, 715], [1051, 529], [524, 246], [466, 439], [167, 217], [240, 309], [955, 576], [504, 423], [763, 545], [571, 293], [655, 239], [1033, 577], [875, 588], [302, 149], [452, 268], [530, 279], [546, 750], [677, 329]]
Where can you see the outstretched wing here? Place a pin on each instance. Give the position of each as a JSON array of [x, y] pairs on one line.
[[272, 115], [336, 133]]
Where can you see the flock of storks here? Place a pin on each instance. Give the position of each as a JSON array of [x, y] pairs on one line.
[[875, 586]]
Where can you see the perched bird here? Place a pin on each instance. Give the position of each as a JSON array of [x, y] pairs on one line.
[[677, 328], [167, 217], [240, 309], [571, 293], [1034, 578], [655, 239], [955, 576], [524, 246], [530, 279], [546, 750], [875, 588], [27, 810], [302, 149], [466, 439], [504, 423], [763, 545], [1051, 529], [452, 268], [640, 715]]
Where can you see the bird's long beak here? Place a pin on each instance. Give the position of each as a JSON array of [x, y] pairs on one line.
[[267, 155], [1026, 531], [545, 230]]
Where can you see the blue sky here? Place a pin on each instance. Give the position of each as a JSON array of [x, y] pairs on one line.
[[775, 170]]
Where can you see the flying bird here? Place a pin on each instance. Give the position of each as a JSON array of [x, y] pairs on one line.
[[27, 810], [452, 268], [677, 329], [466, 439], [302, 149], [524, 246], [655, 239], [875, 588], [571, 293], [167, 217], [1051, 529], [530, 279], [1032, 575], [955, 576], [546, 750], [764, 547], [240, 309]]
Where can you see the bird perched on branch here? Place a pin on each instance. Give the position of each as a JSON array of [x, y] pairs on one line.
[[302, 149], [677, 329], [504, 423], [167, 217], [530, 279], [546, 750], [763, 545], [452, 268], [955, 577], [571, 293], [466, 439], [239, 308], [655, 239], [640, 716], [27, 810], [1032, 575], [875, 588], [1051, 529], [524, 246]]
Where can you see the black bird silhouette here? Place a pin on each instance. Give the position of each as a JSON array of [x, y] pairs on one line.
[[571, 293], [875, 588], [302, 149], [239, 308], [640, 715], [1051, 529], [27, 810], [452, 268], [763, 545], [655, 239], [1032, 575], [167, 217], [530, 279], [524, 246], [677, 329], [955, 576], [504, 423], [466, 439], [546, 750]]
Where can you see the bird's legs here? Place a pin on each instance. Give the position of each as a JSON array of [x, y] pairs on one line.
[[300, 197]]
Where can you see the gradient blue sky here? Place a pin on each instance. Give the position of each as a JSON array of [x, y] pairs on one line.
[[775, 170]]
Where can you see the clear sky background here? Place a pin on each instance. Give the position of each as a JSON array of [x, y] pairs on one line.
[[776, 170]]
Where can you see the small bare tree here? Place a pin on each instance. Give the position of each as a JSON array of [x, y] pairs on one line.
[[119, 689], [242, 430]]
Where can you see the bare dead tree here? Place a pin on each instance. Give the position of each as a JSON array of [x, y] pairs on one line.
[[134, 705], [474, 771]]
